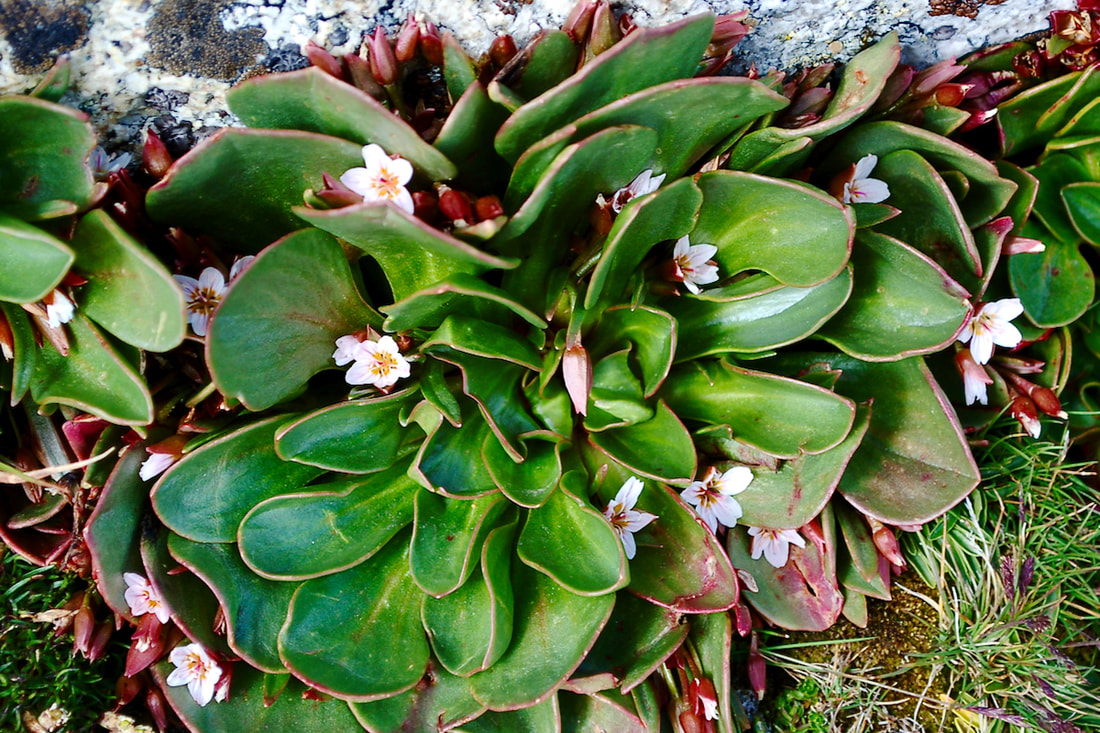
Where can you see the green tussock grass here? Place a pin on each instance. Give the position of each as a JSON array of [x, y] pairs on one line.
[[37, 668]]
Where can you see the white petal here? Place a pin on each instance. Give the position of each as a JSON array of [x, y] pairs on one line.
[[727, 510], [404, 201], [636, 520], [689, 283], [792, 536], [212, 279], [703, 274], [776, 553], [1005, 309], [865, 166], [693, 494], [240, 266], [707, 514], [698, 254], [869, 191], [202, 689], [981, 347], [1005, 334], [758, 543], [200, 322], [360, 373], [374, 156], [348, 349], [179, 676], [400, 169], [681, 248], [735, 480], [629, 493], [189, 285], [358, 180], [155, 464], [628, 545]]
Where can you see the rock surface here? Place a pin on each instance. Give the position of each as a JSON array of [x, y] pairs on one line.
[[173, 60]]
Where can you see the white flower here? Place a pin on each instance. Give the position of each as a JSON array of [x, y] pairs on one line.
[[197, 670], [203, 296], [710, 708], [383, 178], [240, 266], [990, 325], [863, 189], [348, 349], [155, 464], [691, 264], [59, 309], [645, 183], [975, 379], [143, 598], [774, 544], [624, 518], [713, 496], [377, 363]]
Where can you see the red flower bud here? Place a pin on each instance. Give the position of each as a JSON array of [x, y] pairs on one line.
[[1023, 409], [757, 669], [155, 156], [383, 63], [158, 708], [886, 542], [322, 59], [488, 207], [407, 40], [7, 340], [1045, 399], [455, 205], [100, 640], [359, 71], [425, 206], [126, 689], [502, 50], [576, 368], [431, 44], [580, 20], [83, 629], [148, 644]]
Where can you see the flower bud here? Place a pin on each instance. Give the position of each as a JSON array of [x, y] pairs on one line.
[[147, 645], [322, 59], [502, 50], [155, 157], [100, 640], [454, 205], [359, 71], [431, 44], [886, 542], [1024, 411], [488, 207], [576, 368], [126, 689], [407, 40], [7, 340], [605, 32], [690, 722], [83, 629], [425, 206], [757, 669], [1022, 245], [158, 708], [580, 20], [1042, 397], [383, 63]]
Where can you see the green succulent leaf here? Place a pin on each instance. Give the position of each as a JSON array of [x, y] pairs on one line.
[[1055, 286], [25, 350], [360, 436], [471, 628], [32, 262], [113, 530], [646, 58], [542, 718], [1082, 201], [541, 65], [205, 495], [1032, 117], [551, 625], [659, 448], [616, 397], [356, 634], [794, 494], [449, 460], [413, 255], [246, 708], [637, 639], [712, 636], [277, 325], [254, 608], [858, 567], [129, 292], [1054, 174], [271, 171], [863, 80], [533, 480], [575, 545], [467, 139], [314, 101], [914, 463], [459, 294], [44, 154], [331, 528], [930, 219], [447, 538], [598, 712], [780, 416], [989, 193], [777, 316], [194, 607], [669, 213], [459, 70], [760, 223], [648, 333], [902, 303], [690, 117], [441, 700], [94, 377]]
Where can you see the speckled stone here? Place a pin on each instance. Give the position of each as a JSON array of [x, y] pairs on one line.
[[170, 62]]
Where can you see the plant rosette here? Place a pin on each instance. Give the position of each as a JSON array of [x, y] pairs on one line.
[[578, 363]]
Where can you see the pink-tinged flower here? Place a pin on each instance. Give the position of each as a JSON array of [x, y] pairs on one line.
[[348, 349], [203, 297], [383, 178], [378, 363], [624, 518], [989, 326], [645, 183], [706, 697], [691, 264], [774, 544], [59, 309], [142, 598], [975, 378], [196, 669], [240, 266], [863, 189], [155, 465], [713, 496]]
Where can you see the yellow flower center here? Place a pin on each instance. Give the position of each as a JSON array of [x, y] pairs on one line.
[[204, 301], [386, 184]]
